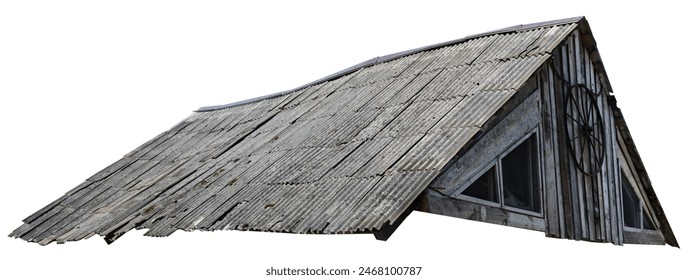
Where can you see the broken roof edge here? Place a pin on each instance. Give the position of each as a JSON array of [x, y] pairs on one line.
[[390, 57]]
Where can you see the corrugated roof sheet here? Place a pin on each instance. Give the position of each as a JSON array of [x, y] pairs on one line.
[[345, 154]]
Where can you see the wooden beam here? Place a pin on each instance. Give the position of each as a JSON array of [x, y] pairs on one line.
[[550, 184], [432, 201], [632, 236]]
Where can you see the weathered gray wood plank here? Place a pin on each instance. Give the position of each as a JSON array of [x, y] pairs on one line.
[[550, 184], [557, 90], [569, 67], [432, 201], [643, 237]]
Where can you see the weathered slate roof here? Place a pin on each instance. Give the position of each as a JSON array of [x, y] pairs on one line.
[[345, 154]]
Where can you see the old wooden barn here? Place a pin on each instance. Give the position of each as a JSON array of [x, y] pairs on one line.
[[516, 127]]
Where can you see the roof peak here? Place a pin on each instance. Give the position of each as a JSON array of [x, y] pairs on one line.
[[389, 57]]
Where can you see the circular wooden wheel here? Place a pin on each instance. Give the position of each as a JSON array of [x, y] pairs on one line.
[[584, 129]]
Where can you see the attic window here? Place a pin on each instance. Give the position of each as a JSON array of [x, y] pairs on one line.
[[485, 187], [634, 214], [518, 186], [520, 176]]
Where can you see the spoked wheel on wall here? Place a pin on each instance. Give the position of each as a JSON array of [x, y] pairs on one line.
[[584, 129]]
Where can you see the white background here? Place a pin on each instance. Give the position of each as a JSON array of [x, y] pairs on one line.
[[84, 82]]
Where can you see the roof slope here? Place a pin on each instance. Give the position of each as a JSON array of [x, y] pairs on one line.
[[344, 154]]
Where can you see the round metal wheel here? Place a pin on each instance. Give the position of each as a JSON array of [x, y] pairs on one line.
[[584, 129]]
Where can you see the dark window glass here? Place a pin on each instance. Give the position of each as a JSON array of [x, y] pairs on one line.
[[647, 223], [484, 188], [631, 205], [519, 186], [520, 176]]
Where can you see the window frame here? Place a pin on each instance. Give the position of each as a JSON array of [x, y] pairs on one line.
[[497, 164], [643, 210], [498, 181]]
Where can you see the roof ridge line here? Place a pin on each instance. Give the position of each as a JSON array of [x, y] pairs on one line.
[[393, 56]]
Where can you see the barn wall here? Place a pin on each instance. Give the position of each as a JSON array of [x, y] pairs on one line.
[[581, 196], [589, 204], [581, 204]]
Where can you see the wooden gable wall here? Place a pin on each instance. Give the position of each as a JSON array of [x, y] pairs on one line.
[[581, 194], [588, 205]]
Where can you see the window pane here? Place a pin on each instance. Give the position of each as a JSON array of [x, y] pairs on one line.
[[647, 223], [520, 176], [484, 188], [631, 205]]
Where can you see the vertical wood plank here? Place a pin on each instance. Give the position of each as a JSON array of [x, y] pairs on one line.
[[549, 170], [605, 180], [577, 195], [601, 178], [610, 206], [585, 182], [555, 115], [592, 182], [617, 200], [606, 171]]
